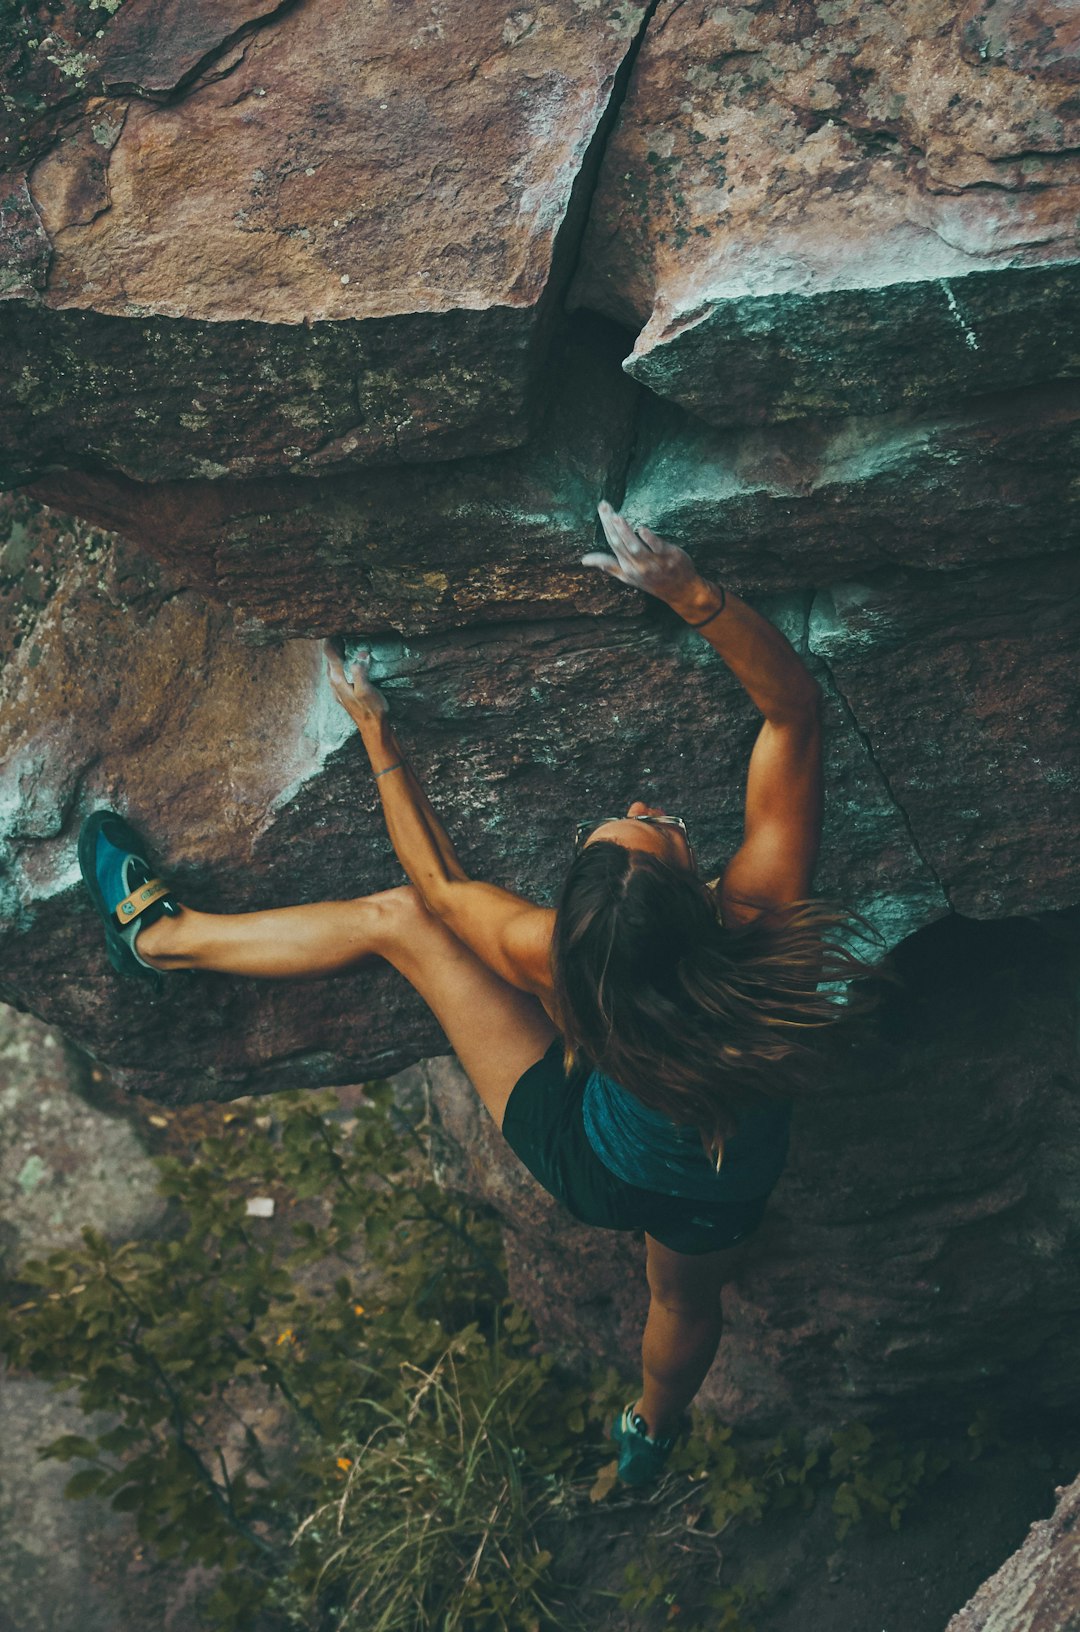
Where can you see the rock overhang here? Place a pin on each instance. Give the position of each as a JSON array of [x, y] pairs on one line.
[[771, 507], [862, 522], [842, 210], [449, 544], [497, 539], [360, 217]]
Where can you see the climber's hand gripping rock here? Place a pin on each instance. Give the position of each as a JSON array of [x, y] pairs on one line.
[[642, 560], [363, 702]]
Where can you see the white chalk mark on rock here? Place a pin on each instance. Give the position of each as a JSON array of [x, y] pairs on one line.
[[969, 332]]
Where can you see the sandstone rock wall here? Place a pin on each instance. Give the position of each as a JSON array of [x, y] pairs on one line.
[[284, 351], [304, 237]]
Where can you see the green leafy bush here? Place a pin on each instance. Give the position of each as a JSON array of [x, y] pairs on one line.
[[340, 1457], [877, 1475]]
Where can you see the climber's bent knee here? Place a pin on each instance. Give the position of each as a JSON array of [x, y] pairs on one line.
[[399, 925]]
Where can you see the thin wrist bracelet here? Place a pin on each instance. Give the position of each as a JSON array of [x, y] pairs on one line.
[[712, 615], [389, 768]]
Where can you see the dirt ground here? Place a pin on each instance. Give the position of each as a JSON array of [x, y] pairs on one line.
[[955, 1534]]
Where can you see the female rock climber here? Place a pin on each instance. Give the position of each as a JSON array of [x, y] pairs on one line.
[[636, 1044]]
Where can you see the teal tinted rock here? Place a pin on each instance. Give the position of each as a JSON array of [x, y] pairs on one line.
[[773, 357], [773, 506], [413, 548]]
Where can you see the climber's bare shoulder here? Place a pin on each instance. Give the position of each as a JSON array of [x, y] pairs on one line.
[[509, 933]]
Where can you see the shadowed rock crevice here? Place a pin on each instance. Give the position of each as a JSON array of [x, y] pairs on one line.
[[864, 737], [462, 542]]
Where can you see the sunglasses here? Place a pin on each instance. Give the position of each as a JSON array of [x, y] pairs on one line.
[[583, 829]]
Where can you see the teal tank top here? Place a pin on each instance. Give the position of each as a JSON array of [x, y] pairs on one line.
[[646, 1149]]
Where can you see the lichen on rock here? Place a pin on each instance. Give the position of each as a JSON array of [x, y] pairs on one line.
[[1038, 1588]]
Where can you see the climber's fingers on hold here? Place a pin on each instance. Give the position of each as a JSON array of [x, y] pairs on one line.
[[621, 536], [606, 563]]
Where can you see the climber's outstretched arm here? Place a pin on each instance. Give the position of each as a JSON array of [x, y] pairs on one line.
[[511, 935], [774, 864]]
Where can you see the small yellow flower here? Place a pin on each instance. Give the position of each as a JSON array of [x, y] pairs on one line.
[[287, 1336], [358, 1309], [344, 1463]]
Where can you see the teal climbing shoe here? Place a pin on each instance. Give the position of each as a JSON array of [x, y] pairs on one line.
[[123, 887], [642, 1459]]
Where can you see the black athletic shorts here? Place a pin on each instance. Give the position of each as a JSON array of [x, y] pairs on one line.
[[543, 1125]]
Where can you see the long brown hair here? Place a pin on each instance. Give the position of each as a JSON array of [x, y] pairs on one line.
[[684, 1012]]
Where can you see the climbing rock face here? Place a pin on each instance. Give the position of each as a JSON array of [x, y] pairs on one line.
[[983, 668], [840, 209], [283, 351], [950, 757], [110, 657], [472, 540], [1038, 1589], [499, 539], [125, 690], [990, 480], [332, 229]]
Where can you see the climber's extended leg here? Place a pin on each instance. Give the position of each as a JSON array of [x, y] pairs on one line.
[[281, 943], [496, 1031]]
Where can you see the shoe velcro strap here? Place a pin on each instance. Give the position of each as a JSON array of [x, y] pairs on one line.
[[138, 901]]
